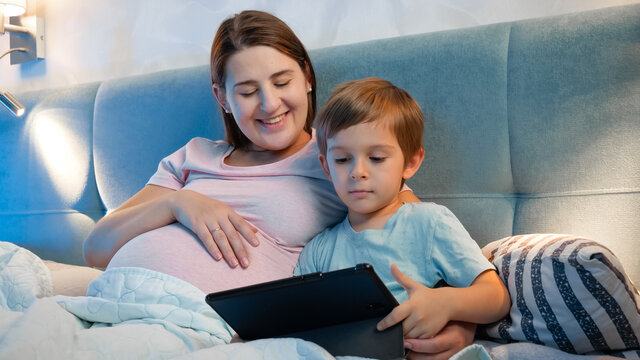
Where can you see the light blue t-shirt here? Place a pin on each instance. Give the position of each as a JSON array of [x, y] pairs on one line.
[[425, 240]]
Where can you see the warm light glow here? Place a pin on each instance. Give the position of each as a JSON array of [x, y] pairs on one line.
[[64, 155], [13, 7]]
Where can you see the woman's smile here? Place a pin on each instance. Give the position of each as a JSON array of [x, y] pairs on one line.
[[266, 91], [274, 120]]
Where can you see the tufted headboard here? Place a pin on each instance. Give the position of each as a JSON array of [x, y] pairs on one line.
[[531, 126]]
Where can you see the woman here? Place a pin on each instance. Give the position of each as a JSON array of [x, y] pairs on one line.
[[263, 185]]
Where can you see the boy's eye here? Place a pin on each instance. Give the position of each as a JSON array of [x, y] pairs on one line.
[[341, 160], [376, 159]]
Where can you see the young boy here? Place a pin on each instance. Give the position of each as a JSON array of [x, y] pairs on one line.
[[370, 139]]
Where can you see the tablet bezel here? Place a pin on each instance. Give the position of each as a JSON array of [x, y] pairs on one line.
[[306, 302]]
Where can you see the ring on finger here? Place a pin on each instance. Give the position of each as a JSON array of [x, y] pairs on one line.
[[216, 229]]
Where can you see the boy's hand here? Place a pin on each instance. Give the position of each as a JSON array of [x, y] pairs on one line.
[[423, 315]]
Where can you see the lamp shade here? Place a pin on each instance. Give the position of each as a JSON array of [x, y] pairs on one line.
[[13, 7], [11, 103]]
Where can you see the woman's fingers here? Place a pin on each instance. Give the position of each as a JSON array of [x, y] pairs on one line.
[[243, 227], [238, 252], [204, 234], [220, 237], [454, 337], [219, 227]]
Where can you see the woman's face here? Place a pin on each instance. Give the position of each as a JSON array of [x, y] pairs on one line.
[[266, 91]]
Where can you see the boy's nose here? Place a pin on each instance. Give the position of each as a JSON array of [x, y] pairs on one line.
[[358, 172]]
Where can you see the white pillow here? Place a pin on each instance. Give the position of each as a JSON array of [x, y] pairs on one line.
[[567, 292]]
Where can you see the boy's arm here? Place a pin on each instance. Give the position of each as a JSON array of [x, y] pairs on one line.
[[428, 310], [311, 256], [486, 300]]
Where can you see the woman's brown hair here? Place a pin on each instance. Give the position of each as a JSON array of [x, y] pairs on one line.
[[255, 28]]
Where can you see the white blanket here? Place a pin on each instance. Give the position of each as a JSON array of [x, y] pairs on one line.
[[128, 313]]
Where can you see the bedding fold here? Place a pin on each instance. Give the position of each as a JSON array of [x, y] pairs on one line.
[[128, 313]]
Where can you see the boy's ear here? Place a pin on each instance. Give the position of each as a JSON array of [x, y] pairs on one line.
[[413, 164], [220, 95], [325, 166]]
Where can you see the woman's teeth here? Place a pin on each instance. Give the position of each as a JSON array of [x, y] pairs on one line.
[[274, 120]]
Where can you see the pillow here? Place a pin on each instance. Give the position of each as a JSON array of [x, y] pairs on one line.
[[71, 280], [567, 292]]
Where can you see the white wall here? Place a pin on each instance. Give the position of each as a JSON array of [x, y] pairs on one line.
[[90, 40]]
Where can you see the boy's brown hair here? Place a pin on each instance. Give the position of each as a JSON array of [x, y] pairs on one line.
[[368, 100]]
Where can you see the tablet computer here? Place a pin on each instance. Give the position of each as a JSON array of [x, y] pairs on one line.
[[337, 310]]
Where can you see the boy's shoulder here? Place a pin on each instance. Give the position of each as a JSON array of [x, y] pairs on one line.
[[320, 248], [421, 209], [332, 231]]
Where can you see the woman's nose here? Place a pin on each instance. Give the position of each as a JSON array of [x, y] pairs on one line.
[[270, 101]]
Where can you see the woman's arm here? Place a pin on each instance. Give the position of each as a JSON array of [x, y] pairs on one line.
[[408, 196], [212, 221], [454, 337], [146, 210]]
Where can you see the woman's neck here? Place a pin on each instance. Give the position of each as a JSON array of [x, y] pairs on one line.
[[254, 155]]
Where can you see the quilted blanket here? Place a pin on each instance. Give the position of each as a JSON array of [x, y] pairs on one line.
[[128, 313]]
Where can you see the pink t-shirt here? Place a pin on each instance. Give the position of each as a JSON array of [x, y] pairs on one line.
[[288, 201]]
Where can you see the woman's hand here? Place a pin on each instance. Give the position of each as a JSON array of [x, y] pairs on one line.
[[455, 336], [217, 225], [424, 314]]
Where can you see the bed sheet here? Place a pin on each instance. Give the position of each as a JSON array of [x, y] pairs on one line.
[[128, 313]]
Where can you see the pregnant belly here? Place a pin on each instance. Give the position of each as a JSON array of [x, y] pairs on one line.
[[176, 251]]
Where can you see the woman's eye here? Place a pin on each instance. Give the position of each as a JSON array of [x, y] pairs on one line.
[[282, 83], [247, 93]]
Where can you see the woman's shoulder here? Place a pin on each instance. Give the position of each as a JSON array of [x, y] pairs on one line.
[[199, 146], [201, 142], [197, 154]]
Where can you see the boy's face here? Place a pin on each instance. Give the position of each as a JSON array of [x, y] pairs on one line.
[[366, 165]]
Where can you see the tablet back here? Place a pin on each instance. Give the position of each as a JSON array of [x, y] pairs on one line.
[[338, 310]]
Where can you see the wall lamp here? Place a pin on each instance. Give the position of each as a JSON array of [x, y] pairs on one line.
[[26, 33], [11, 103], [26, 45]]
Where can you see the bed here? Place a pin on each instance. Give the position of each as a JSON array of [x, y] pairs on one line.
[[532, 140]]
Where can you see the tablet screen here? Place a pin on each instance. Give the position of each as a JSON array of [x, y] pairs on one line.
[[301, 303]]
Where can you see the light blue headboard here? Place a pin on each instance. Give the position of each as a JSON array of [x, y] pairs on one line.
[[532, 126]]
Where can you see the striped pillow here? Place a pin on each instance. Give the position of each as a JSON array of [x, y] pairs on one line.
[[567, 292]]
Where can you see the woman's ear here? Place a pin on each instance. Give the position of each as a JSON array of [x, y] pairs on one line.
[[413, 164], [308, 76], [325, 166], [221, 96]]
